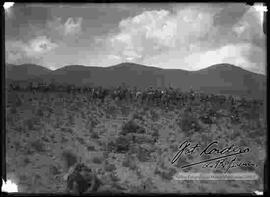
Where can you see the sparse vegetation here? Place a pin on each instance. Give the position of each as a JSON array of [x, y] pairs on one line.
[[132, 145]]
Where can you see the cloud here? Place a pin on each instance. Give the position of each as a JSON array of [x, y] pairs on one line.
[[249, 28], [192, 37], [244, 55], [153, 32], [114, 57], [18, 50], [40, 45], [143, 33], [71, 27]]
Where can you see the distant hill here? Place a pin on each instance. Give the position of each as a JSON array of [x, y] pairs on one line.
[[25, 71], [229, 79], [219, 78]]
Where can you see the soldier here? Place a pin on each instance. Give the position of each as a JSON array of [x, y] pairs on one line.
[[34, 86]]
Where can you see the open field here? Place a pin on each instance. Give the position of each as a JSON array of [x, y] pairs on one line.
[[129, 145]]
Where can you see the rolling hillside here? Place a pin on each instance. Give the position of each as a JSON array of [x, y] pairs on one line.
[[25, 71], [220, 78]]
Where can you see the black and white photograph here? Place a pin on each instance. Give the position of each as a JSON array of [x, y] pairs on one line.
[[134, 98]]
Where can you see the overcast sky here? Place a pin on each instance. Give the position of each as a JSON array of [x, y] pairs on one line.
[[184, 36]]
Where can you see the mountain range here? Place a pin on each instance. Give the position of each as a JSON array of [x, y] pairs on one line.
[[218, 78]]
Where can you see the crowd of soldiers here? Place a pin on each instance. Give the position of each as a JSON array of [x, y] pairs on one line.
[[150, 95]]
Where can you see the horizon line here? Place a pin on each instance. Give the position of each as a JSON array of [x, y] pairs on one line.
[[136, 64]]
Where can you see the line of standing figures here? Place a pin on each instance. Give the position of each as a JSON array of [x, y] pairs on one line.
[[162, 96]]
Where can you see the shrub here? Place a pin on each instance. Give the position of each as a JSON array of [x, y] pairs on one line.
[[111, 109], [94, 122], [40, 112], [189, 122], [30, 124], [235, 119], [166, 174], [26, 161], [109, 167], [18, 102], [132, 127], [28, 151], [154, 115], [144, 155], [69, 158], [138, 116], [147, 185], [155, 134], [105, 154], [134, 148], [122, 144], [97, 160], [206, 119], [202, 189], [125, 110], [129, 162], [63, 140], [68, 130], [143, 138], [71, 120], [38, 146], [211, 112], [91, 148], [54, 170], [94, 135], [81, 140], [111, 146], [52, 136], [13, 110], [114, 177], [17, 146]]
